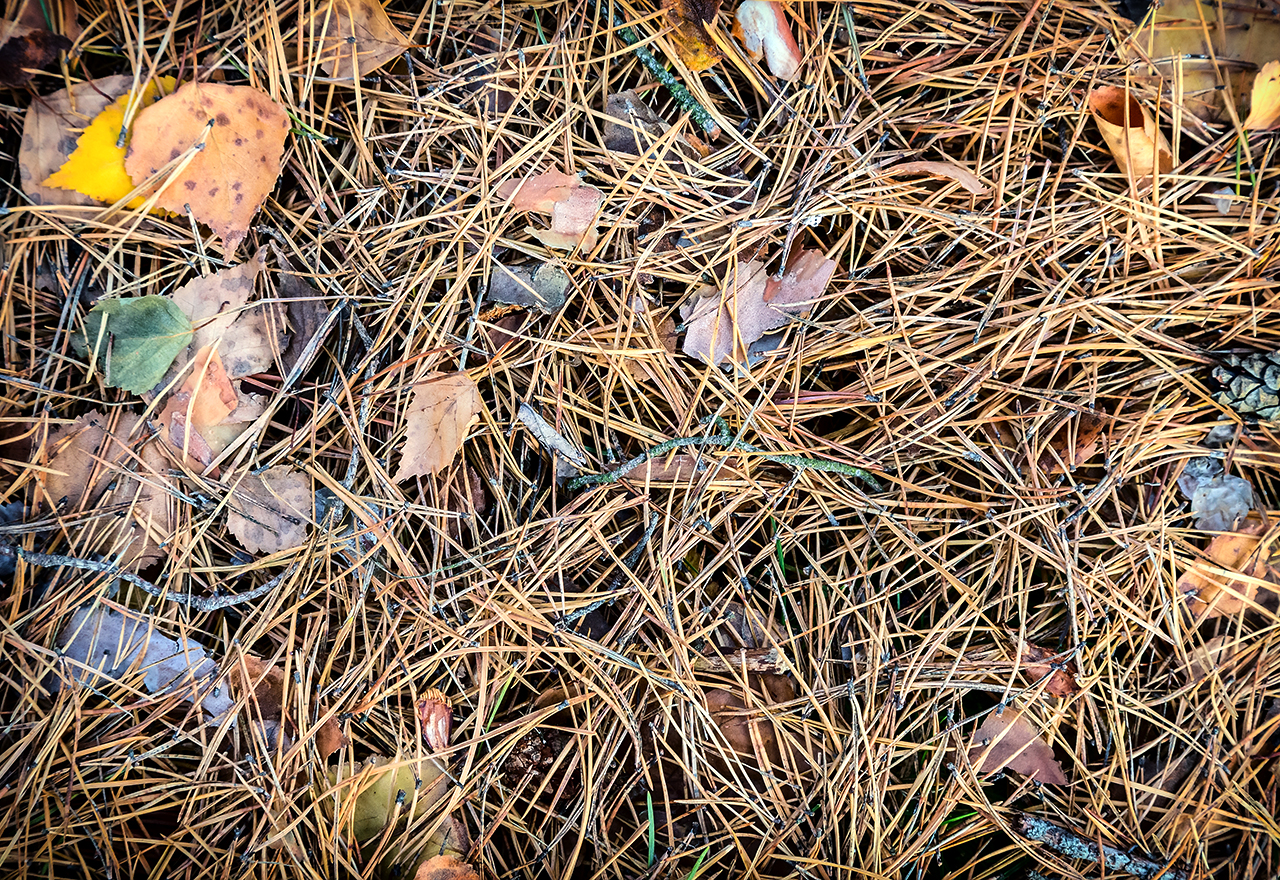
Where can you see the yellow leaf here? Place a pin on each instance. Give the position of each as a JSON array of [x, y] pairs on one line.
[[96, 167], [1264, 112]]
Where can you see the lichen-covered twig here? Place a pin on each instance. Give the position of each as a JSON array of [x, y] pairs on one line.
[[724, 437], [1072, 845]]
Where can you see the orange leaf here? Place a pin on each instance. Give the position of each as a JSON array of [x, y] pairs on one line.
[[762, 28], [353, 37], [445, 867], [1132, 136], [693, 44], [949, 170], [1073, 445], [1038, 662], [1214, 593], [573, 207], [444, 407], [1008, 740], [225, 144]]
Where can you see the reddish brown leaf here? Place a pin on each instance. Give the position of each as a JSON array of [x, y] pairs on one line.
[[1075, 442], [573, 207], [445, 867], [690, 18], [26, 50], [353, 37], [762, 28], [1038, 662], [1009, 741]]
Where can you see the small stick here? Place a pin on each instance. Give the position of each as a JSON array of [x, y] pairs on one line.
[[1069, 843], [199, 603]]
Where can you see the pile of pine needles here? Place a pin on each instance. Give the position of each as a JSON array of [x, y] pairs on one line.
[[583, 636]]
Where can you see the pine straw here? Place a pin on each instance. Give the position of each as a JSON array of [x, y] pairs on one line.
[[961, 331]]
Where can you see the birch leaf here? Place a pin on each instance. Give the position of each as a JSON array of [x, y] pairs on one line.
[[444, 407]]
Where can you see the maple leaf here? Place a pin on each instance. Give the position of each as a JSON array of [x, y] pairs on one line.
[[353, 37], [1008, 740], [146, 334], [754, 305], [224, 145], [1135, 141], [269, 511], [444, 407], [96, 167], [696, 48], [49, 132]]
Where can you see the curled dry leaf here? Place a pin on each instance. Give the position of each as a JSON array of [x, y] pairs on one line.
[[1214, 654], [1132, 136], [762, 28], [270, 511], [353, 38], [1264, 103], [96, 167], [444, 867], [1041, 664], [754, 305], [949, 170], [1227, 581], [228, 142], [1009, 741], [573, 207], [436, 717], [631, 126], [50, 131], [106, 644], [689, 19], [443, 409]]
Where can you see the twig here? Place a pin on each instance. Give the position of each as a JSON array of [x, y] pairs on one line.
[[199, 603], [1070, 844], [725, 437]]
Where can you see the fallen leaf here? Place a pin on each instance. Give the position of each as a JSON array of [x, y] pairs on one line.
[[1204, 660], [1075, 442], [1211, 585], [1264, 101], [1041, 664], [143, 336], [630, 125], [444, 407], [444, 867], [145, 490], [352, 38], [96, 167], [206, 398], [228, 142], [949, 170], [372, 795], [248, 408], [25, 51], [748, 733], [761, 26], [248, 339], [305, 307], [541, 287], [1132, 136], [436, 717], [1204, 53], [1221, 502], [667, 469], [1009, 741], [265, 684], [84, 454], [270, 511], [105, 644], [49, 132], [689, 18], [722, 327], [573, 207]]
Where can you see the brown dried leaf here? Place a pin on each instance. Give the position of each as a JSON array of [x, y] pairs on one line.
[[693, 44], [444, 407], [353, 38], [436, 716], [747, 732], [1132, 136], [1073, 444], [1009, 741], [249, 340], [445, 867], [61, 17], [50, 130], [228, 141], [142, 536], [762, 28], [1038, 662], [631, 126], [81, 455], [668, 469], [1215, 594], [305, 308], [754, 305], [26, 50], [949, 170], [573, 207], [270, 511]]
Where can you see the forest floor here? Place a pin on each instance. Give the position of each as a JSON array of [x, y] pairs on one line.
[[912, 588]]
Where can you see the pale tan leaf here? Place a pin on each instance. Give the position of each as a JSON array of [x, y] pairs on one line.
[[573, 207], [270, 511], [444, 407], [1264, 102], [761, 26], [949, 170], [352, 38]]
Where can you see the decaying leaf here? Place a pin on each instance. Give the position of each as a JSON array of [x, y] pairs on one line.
[[573, 207], [270, 511], [353, 38], [720, 327], [444, 867], [436, 716], [248, 339], [57, 16], [1075, 442], [949, 170], [82, 456], [305, 307], [1008, 740], [136, 339], [1135, 141], [1204, 53], [207, 398], [105, 643], [761, 26], [1038, 662], [689, 19], [443, 409], [631, 126], [1227, 582], [667, 469], [49, 132], [96, 167], [24, 50], [379, 791], [542, 287], [228, 142], [1221, 502], [1264, 102], [749, 733], [265, 686]]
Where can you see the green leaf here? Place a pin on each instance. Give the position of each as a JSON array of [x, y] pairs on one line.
[[145, 334]]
